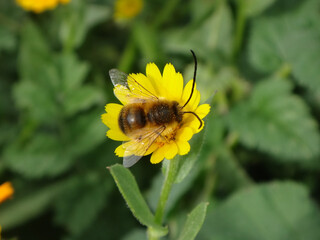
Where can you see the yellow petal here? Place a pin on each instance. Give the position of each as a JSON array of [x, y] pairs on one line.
[[151, 149], [195, 99], [111, 117], [194, 125], [154, 76], [113, 107], [203, 110], [119, 151], [184, 134], [111, 120], [183, 147], [117, 135], [157, 156], [170, 150], [173, 83]]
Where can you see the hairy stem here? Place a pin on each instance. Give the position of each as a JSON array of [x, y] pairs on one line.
[[170, 177]]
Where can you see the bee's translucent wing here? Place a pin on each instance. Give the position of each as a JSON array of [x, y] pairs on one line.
[[136, 89], [131, 160], [118, 77], [139, 146]]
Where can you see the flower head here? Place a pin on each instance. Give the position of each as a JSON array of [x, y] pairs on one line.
[[127, 9], [38, 6], [163, 139], [6, 191]]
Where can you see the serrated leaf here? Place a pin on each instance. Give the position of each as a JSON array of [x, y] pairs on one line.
[[212, 33], [35, 61], [77, 21], [42, 156], [82, 99], [23, 208], [194, 222], [277, 211], [29, 94], [275, 39], [39, 77], [72, 71], [130, 191], [275, 121], [81, 129]]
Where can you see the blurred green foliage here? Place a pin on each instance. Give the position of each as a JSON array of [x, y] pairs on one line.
[[257, 162]]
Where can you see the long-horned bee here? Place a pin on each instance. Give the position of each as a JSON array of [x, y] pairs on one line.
[[147, 118]]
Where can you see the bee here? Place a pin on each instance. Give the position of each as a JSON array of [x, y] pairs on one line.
[[146, 116]]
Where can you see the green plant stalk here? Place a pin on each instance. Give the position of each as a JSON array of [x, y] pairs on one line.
[[240, 26], [165, 13], [170, 177], [128, 56]]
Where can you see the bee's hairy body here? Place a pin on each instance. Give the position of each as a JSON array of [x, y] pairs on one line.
[[138, 116]]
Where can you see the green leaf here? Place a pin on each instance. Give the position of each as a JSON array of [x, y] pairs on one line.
[[43, 155], [55, 81], [29, 94], [252, 7], [277, 211], [130, 191], [36, 62], [276, 121], [78, 19], [275, 39], [80, 203], [82, 99], [72, 71], [194, 222], [23, 208], [136, 235], [84, 127], [39, 77], [7, 40], [213, 32]]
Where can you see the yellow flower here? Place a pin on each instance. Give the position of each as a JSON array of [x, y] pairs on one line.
[[164, 141], [6, 191], [39, 6], [126, 9]]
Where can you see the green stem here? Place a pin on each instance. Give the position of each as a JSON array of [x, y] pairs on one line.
[[128, 56], [240, 25], [210, 180], [165, 13], [170, 177]]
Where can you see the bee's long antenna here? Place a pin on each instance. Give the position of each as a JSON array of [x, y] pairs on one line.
[[194, 78], [196, 117]]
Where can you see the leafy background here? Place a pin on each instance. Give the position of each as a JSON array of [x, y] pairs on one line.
[[258, 165]]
